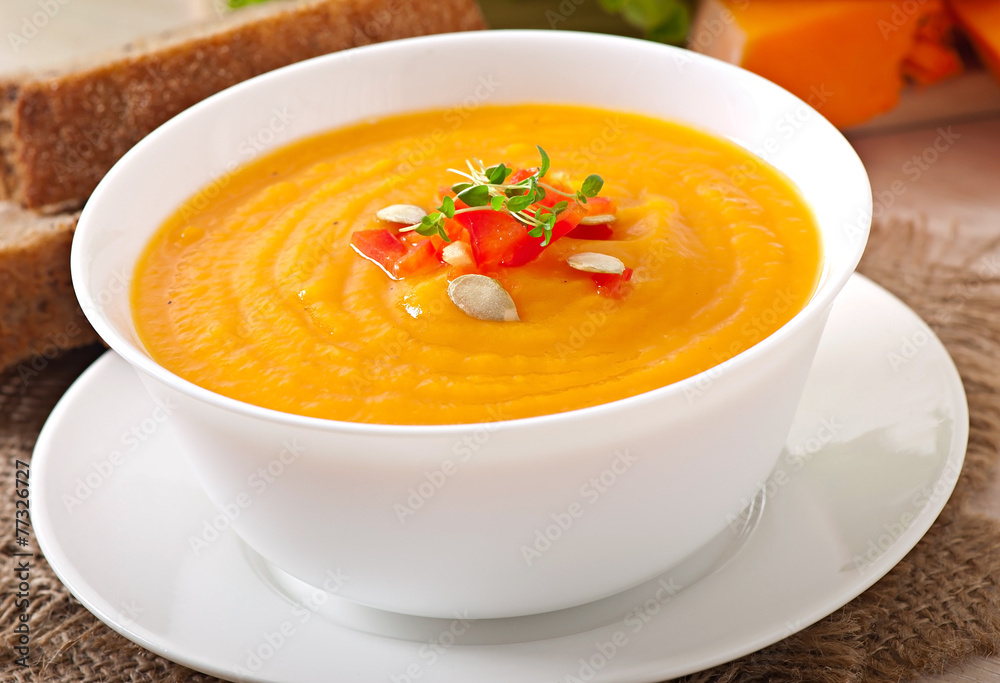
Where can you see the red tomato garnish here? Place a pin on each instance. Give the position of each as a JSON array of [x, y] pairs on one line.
[[394, 256], [596, 206], [553, 198], [420, 257], [611, 285], [495, 236], [381, 247], [520, 174], [532, 246], [591, 232]]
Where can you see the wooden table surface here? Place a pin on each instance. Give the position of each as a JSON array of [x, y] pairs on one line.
[[961, 186]]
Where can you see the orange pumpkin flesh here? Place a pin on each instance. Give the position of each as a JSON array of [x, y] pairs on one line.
[[846, 58]]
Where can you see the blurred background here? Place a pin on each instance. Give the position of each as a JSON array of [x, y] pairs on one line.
[[912, 83]]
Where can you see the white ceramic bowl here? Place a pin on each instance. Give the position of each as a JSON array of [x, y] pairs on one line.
[[514, 517]]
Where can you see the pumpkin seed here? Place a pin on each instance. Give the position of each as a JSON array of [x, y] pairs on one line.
[[599, 219], [407, 214], [591, 262], [482, 298]]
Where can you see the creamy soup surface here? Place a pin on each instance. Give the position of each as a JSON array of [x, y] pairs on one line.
[[252, 290]]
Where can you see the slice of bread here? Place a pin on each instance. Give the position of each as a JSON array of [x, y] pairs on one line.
[[39, 315], [61, 132]]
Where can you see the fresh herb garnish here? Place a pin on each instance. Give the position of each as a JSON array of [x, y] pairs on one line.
[[487, 189]]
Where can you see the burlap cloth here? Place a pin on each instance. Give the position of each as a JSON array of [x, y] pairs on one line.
[[940, 605]]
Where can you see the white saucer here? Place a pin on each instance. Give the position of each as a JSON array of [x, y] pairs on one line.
[[875, 451]]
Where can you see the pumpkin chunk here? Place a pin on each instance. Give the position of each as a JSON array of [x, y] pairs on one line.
[[846, 58], [981, 21]]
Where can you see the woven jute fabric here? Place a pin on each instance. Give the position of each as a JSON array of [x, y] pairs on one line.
[[940, 605]]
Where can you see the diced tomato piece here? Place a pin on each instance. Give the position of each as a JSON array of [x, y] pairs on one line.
[[520, 174], [499, 239], [381, 247], [394, 256], [568, 219], [495, 236], [611, 285], [591, 232], [598, 206], [420, 257], [532, 246], [553, 198]]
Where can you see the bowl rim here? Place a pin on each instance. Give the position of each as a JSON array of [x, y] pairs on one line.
[[829, 284]]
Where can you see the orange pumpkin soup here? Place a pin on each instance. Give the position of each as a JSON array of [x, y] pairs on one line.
[[255, 291]]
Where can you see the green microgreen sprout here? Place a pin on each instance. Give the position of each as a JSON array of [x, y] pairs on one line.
[[486, 189]]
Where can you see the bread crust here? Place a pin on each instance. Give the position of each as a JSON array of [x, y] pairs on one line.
[[39, 314], [61, 133]]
